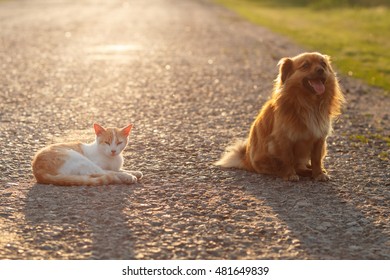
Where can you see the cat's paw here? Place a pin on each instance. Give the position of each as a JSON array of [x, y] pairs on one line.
[[137, 174], [127, 179]]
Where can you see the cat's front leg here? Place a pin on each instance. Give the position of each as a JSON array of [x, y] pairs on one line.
[[137, 174]]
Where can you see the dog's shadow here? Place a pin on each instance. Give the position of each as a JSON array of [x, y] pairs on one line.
[[326, 225], [87, 222]]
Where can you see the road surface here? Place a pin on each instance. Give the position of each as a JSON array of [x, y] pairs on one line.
[[191, 76]]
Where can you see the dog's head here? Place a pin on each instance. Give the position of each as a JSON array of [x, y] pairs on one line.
[[310, 72]]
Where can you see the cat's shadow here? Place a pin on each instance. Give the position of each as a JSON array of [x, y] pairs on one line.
[[79, 222]]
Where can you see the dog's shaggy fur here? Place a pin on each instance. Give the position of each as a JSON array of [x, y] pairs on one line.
[[288, 137]]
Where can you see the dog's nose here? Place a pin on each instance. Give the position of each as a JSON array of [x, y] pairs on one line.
[[320, 70]]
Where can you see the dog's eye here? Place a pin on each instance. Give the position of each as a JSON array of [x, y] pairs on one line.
[[305, 65], [323, 64]]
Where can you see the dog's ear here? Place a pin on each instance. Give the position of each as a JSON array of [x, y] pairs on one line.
[[327, 57], [329, 62], [285, 68]]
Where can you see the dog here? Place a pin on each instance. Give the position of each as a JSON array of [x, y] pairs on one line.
[[288, 136]]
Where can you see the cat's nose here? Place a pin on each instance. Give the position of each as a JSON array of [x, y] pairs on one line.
[[113, 152]]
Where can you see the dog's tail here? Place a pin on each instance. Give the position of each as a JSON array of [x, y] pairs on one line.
[[234, 156]]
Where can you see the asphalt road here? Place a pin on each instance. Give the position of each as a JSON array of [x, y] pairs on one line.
[[191, 76]]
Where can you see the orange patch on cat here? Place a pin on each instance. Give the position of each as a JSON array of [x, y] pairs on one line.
[[51, 158], [107, 135]]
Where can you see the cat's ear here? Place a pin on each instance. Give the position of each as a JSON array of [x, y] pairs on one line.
[[98, 129], [126, 130]]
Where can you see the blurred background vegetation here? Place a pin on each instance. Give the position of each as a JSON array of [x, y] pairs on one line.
[[355, 33], [326, 3]]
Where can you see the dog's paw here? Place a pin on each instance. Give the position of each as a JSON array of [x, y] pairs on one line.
[[322, 178], [304, 172], [292, 178]]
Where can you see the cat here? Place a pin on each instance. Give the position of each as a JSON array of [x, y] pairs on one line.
[[77, 164]]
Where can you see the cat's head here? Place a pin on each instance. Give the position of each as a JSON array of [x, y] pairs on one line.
[[111, 141]]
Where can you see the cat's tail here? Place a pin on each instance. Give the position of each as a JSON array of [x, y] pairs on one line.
[[86, 180], [234, 156]]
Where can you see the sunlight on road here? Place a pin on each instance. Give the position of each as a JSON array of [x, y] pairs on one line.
[[115, 48], [113, 52]]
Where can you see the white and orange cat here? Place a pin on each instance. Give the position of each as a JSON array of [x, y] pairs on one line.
[[76, 164]]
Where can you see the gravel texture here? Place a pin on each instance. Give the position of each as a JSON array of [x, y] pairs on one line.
[[191, 76]]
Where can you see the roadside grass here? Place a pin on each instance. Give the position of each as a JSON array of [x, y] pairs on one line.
[[357, 38], [360, 140]]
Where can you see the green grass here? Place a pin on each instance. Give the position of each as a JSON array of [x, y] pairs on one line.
[[359, 138], [357, 38], [384, 156], [382, 140]]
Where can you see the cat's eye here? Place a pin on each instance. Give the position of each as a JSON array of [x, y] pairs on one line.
[[108, 143], [119, 143]]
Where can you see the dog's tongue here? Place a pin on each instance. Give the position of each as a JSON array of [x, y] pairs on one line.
[[318, 86]]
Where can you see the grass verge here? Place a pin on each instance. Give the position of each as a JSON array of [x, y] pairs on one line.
[[360, 140], [357, 38]]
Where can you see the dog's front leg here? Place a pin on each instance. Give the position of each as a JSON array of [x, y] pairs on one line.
[[317, 155], [287, 158]]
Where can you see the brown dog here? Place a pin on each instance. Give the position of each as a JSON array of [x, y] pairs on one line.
[[288, 137]]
